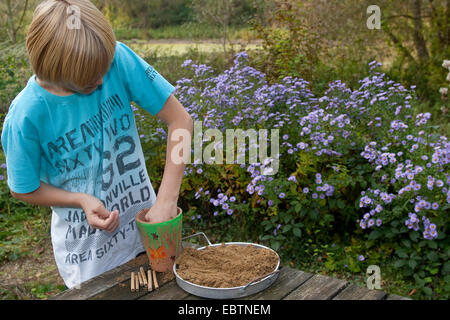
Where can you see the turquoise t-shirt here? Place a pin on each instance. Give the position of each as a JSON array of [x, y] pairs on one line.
[[89, 144]]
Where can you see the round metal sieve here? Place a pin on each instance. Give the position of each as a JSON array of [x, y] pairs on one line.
[[250, 288]]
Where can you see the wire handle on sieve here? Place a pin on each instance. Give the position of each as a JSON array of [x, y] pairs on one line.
[[260, 278], [198, 234]]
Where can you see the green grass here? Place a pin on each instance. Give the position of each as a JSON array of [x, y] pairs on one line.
[[169, 65], [180, 49], [188, 31], [23, 227]]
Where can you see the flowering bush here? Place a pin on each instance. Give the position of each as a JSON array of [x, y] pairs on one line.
[[353, 162]]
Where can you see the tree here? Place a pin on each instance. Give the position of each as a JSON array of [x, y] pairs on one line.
[[216, 13], [14, 14]]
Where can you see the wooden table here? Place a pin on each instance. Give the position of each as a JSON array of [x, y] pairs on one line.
[[291, 284]]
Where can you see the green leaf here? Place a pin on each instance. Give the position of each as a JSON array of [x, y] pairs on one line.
[[313, 215], [412, 263], [420, 282], [399, 263], [432, 244], [297, 232], [414, 236], [446, 268], [286, 228], [375, 234], [275, 245], [402, 253], [406, 243], [422, 243], [332, 202], [434, 271], [389, 234], [265, 237], [432, 256], [427, 291], [288, 218]]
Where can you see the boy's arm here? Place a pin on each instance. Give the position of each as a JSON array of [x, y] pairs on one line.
[[96, 214], [175, 116], [47, 195]]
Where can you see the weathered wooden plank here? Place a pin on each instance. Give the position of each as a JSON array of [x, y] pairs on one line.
[[193, 297], [123, 290], [170, 291], [103, 282], [354, 292], [318, 287], [288, 280], [396, 297], [109, 280]]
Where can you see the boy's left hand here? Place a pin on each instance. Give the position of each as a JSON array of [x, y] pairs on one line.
[[161, 211]]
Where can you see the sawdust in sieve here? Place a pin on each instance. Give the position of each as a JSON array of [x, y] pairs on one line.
[[225, 266]]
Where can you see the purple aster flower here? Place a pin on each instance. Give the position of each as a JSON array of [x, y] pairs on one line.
[[276, 229], [361, 258]]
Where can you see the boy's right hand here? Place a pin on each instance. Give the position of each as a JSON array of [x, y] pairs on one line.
[[97, 215]]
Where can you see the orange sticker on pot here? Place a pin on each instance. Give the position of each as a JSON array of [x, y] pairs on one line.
[[159, 253]]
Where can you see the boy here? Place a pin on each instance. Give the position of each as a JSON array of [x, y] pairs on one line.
[[71, 142]]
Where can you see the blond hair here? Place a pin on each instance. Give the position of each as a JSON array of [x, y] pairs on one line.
[[70, 43]]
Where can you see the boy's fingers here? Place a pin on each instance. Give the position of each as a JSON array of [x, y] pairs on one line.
[[105, 224], [111, 220], [102, 212], [116, 224], [97, 222]]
